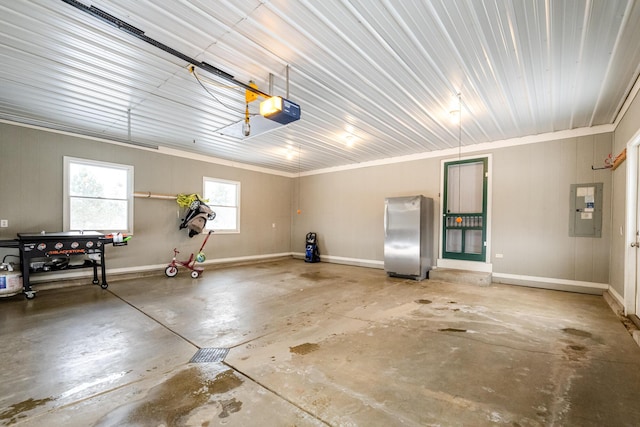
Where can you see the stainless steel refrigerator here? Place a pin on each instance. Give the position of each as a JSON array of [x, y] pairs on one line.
[[408, 236]]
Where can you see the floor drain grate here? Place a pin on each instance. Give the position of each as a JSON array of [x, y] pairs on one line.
[[206, 355]]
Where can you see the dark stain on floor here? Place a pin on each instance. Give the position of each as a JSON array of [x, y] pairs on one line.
[[170, 402], [16, 411], [305, 348], [317, 276], [577, 332], [577, 347], [424, 301], [575, 353], [452, 330], [229, 407], [224, 382]]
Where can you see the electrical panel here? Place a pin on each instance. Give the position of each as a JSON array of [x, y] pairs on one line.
[[585, 216]]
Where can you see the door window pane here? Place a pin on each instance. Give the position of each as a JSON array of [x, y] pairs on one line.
[[454, 241], [473, 242], [465, 187]]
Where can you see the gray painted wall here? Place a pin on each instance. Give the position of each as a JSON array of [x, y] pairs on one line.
[[530, 190], [346, 208], [530, 193], [625, 131], [31, 194], [531, 209]]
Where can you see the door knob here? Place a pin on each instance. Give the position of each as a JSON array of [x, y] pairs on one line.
[[635, 245]]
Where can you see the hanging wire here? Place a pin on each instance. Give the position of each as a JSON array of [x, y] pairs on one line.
[[193, 71], [459, 154], [298, 189], [459, 125]]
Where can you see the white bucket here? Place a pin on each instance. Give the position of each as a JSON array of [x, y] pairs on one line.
[[10, 283]]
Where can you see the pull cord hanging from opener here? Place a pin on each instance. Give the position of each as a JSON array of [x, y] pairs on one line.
[[246, 127]]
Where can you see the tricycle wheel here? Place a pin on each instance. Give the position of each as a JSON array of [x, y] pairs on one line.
[[171, 271], [195, 274]]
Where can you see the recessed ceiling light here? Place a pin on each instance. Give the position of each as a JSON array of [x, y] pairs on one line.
[[454, 116], [290, 152], [349, 139], [455, 107]]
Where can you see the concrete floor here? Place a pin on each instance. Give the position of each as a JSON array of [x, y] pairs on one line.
[[314, 345]]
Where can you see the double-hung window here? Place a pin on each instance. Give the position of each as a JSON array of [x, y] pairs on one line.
[[98, 196], [224, 199]]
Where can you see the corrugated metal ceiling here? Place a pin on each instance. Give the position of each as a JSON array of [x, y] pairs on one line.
[[374, 79]]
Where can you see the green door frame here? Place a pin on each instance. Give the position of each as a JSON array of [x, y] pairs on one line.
[[468, 221]]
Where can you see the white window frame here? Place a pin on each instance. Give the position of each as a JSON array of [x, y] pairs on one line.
[[67, 197], [212, 205]]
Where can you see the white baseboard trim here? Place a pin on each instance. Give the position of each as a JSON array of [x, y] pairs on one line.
[[250, 258], [510, 279], [551, 283], [358, 262], [88, 272], [616, 296]]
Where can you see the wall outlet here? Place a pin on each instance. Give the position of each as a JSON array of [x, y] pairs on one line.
[[499, 256], [273, 225], [4, 223]]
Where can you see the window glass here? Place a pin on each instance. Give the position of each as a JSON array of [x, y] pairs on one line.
[[98, 196], [224, 199]]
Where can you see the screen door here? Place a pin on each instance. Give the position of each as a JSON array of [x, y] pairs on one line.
[[465, 210]]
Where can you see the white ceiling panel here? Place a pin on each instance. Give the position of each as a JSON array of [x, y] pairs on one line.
[[374, 79]]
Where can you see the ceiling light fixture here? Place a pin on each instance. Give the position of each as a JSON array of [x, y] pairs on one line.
[[454, 116], [280, 110], [348, 136], [271, 106], [455, 107], [289, 152], [349, 140]]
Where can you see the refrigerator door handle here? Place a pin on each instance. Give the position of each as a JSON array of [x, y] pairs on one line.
[[386, 219]]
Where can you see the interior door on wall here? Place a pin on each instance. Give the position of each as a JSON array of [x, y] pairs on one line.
[[636, 243], [465, 210]]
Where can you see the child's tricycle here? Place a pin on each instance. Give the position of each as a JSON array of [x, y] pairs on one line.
[[172, 268]]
